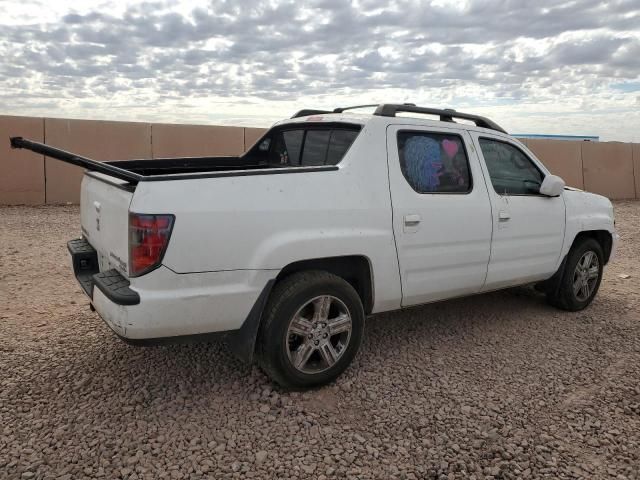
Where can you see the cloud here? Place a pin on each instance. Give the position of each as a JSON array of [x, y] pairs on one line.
[[193, 61], [594, 51]]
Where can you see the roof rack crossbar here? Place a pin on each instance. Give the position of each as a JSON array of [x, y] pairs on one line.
[[446, 115], [309, 111], [342, 109]]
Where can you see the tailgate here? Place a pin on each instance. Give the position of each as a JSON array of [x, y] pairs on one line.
[[104, 213]]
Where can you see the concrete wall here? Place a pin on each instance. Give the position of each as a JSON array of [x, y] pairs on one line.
[[562, 157], [98, 140], [21, 172], [195, 140], [27, 178], [636, 167], [252, 135], [608, 168]]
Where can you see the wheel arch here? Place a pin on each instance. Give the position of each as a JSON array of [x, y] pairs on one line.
[[355, 269], [603, 237], [556, 287]]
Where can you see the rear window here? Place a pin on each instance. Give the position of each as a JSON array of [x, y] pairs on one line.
[[305, 146], [316, 145]]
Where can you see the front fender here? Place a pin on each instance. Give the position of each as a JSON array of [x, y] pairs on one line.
[[586, 212]]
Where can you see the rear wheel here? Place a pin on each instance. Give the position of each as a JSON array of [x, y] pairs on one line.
[[581, 277], [312, 329]]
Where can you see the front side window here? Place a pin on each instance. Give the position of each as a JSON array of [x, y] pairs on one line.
[[511, 171], [434, 162]]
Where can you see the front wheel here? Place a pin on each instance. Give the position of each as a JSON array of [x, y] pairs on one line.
[[581, 278], [312, 329]]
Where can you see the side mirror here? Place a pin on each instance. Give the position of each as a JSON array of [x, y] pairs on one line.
[[552, 186]]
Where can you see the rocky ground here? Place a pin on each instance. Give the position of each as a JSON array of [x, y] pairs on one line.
[[495, 386]]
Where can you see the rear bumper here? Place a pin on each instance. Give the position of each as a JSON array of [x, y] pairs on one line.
[[163, 306], [111, 283]]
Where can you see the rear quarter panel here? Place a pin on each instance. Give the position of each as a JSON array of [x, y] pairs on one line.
[[265, 222]]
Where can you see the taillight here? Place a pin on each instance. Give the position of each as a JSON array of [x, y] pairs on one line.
[[148, 240]]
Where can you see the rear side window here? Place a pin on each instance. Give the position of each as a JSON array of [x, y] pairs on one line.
[[434, 162], [286, 147], [340, 142], [292, 145], [306, 146]]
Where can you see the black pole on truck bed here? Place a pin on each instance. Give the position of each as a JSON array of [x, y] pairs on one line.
[[72, 158]]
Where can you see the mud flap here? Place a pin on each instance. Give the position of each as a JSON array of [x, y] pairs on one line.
[[552, 285], [242, 342]]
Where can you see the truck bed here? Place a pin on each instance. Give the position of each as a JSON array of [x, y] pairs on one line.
[[258, 160], [134, 171]]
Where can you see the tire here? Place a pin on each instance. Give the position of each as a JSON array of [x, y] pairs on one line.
[[328, 327], [564, 295]]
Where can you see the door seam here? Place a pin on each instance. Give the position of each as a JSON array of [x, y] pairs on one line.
[[476, 146], [393, 230]]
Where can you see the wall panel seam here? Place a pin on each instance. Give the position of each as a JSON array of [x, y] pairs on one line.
[[44, 158], [633, 170], [584, 184]]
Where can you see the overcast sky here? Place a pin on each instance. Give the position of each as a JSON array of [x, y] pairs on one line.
[[539, 66]]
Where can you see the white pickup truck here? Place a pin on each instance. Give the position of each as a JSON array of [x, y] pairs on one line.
[[330, 217]]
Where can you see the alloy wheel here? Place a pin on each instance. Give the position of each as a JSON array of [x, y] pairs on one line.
[[585, 275], [318, 334]]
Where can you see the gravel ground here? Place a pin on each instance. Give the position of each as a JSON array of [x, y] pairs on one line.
[[494, 386]]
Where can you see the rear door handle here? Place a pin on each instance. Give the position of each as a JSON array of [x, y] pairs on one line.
[[503, 216], [412, 220]]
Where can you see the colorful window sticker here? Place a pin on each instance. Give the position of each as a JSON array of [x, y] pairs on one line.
[[434, 162]]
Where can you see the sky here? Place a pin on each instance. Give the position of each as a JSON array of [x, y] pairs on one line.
[[543, 67]]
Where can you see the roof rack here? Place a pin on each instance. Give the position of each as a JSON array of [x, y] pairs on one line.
[[309, 111], [342, 109], [390, 110], [446, 115]]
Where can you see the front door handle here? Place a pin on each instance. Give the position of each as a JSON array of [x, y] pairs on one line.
[[503, 216], [412, 220]]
